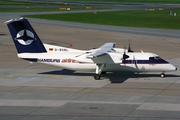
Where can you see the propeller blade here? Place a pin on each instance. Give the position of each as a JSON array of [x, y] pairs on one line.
[[129, 49], [125, 56]]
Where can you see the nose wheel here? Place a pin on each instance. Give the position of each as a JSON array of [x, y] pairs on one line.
[[97, 76], [162, 75]]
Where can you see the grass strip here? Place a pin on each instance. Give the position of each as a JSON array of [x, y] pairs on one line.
[[135, 1], [132, 18]]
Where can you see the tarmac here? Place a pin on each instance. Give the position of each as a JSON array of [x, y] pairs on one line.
[[37, 91]]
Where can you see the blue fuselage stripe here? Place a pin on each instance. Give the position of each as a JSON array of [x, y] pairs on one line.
[[31, 59], [161, 61]]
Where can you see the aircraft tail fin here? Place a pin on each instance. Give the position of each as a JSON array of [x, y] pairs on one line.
[[25, 38]]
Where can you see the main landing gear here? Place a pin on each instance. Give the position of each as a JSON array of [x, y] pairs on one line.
[[99, 68]]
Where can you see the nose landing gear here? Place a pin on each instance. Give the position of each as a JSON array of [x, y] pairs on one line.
[[97, 76], [162, 75]]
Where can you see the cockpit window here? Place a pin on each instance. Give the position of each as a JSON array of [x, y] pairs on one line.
[[158, 58], [154, 58]]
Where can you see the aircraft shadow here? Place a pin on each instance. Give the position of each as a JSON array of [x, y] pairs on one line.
[[120, 77], [67, 72], [1, 34], [114, 77]]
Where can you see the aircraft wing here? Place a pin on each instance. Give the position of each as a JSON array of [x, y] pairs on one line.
[[102, 55], [101, 51], [105, 55]]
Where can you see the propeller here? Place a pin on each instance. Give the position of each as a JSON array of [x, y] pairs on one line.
[[124, 55], [129, 49]]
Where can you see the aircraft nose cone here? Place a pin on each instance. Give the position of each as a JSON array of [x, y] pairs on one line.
[[172, 67]]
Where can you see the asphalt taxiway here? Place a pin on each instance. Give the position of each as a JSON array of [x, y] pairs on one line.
[[37, 91]]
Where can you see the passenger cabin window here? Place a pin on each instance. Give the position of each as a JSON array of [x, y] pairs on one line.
[[154, 58], [151, 58]]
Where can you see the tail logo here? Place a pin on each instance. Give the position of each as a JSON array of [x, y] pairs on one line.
[[25, 37]]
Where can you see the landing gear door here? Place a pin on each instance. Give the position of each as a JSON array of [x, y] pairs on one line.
[[134, 63]]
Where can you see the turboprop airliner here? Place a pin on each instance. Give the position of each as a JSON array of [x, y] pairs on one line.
[[104, 59]]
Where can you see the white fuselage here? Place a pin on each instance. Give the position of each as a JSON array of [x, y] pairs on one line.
[[76, 60]]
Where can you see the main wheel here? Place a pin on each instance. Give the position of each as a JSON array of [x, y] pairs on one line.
[[97, 76], [103, 73], [162, 75]]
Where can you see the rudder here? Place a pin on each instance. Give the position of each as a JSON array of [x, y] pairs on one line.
[[25, 38]]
